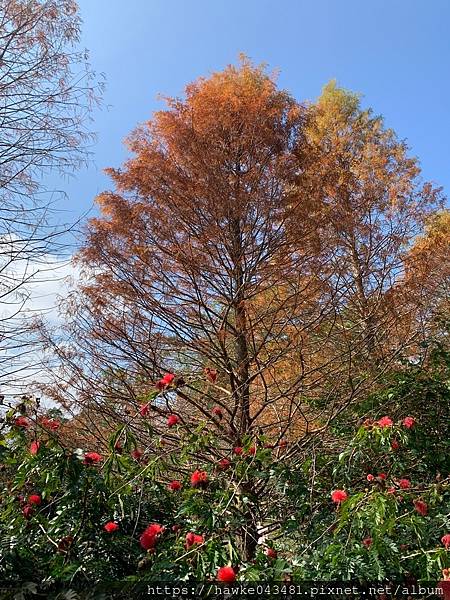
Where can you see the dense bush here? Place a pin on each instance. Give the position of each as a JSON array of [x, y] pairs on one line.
[[367, 502]]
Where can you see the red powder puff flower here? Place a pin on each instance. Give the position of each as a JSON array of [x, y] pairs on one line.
[[193, 538], [339, 496], [27, 512], [409, 422], [137, 454], [175, 486], [370, 477], [150, 536], [91, 458], [367, 542], [395, 444], [271, 553], [391, 490], [52, 424], [144, 410], [35, 499], [238, 450], [251, 451], [211, 374], [224, 464], [382, 476], [110, 527], [226, 574], [445, 539], [199, 479], [404, 484], [168, 378], [385, 422], [217, 412], [34, 447], [421, 507], [172, 420], [22, 422]]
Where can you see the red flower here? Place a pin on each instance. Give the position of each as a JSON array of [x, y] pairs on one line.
[[421, 507], [224, 464], [370, 477], [34, 447], [144, 410], [367, 542], [409, 422], [391, 490], [211, 374], [172, 420], [385, 422], [35, 499], [339, 496], [137, 454], [168, 378], [165, 381], [445, 539], [22, 422], [193, 538], [91, 458], [395, 444], [271, 553], [199, 479], [404, 484], [27, 512], [238, 450], [226, 574], [52, 424], [251, 451], [175, 486], [382, 476], [217, 411], [150, 536], [110, 527]]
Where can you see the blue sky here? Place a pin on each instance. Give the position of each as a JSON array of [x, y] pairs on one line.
[[395, 52]]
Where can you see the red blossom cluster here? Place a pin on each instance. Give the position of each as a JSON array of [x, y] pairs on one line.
[[193, 538], [52, 424], [34, 447], [224, 464], [150, 536], [199, 479], [165, 381], [339, 496], [172, 420], [111, 526], [22, 422], [226, 575], [175, 486], [91, 458]]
